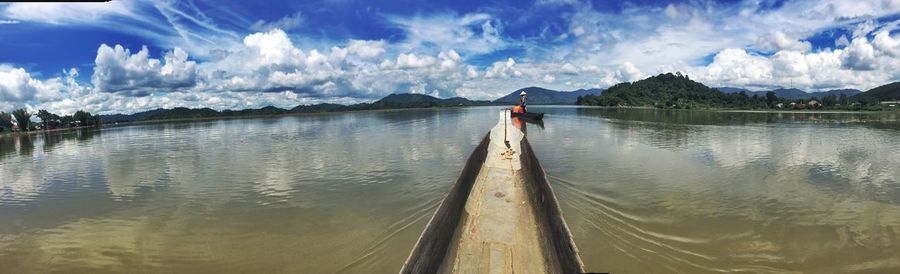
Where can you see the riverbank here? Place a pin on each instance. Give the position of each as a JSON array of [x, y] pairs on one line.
[[33, 132], [895, 110]]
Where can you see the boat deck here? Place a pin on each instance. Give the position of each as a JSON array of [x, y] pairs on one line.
[[499, 230], [499, 217]]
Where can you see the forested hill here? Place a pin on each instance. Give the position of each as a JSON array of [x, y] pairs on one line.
[[671, 91], [889, 92]]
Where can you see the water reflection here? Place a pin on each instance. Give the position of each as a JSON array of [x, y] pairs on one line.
[[651, 191], [235, 195], [25, 144], [643, 191]]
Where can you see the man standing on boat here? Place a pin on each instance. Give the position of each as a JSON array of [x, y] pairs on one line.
[[522, 99]]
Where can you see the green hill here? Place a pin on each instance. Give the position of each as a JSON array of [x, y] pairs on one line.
[[889, 92], [671, 91]]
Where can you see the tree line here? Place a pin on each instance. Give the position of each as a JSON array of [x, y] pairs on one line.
[[677, 91], [49, 120]]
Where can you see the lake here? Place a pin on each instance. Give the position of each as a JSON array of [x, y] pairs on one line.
[[643, 191]]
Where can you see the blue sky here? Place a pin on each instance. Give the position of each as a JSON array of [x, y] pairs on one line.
[[129, 56]]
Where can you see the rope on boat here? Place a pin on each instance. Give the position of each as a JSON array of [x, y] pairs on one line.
[[509, 152]]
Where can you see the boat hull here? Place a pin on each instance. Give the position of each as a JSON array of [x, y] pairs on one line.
[[529, 115], [491, 211]]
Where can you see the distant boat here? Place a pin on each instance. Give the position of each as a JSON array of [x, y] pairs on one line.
[[501, 216]]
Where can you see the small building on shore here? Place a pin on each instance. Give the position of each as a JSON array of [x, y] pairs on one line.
[[893, 103], [813, 104]]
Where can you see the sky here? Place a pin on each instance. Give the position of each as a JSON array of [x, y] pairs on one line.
[[132, 56]]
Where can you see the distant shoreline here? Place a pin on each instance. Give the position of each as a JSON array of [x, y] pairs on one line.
[[179, 120], [744, 110], [198, 119], [18, 133]]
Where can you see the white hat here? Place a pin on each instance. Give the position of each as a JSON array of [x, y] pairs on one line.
[[523, 93]]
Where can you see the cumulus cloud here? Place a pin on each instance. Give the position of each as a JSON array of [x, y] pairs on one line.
[[503, 70], [628, 72], [682, 37], [118, 70], [17, 85], [405, 61], [366, 49], [862, 65], [860, 55], [549, 78], [272, 48], [18, 88], [778, 40], [887, 44]]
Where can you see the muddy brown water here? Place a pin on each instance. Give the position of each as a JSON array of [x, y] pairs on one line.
[[643, 191]]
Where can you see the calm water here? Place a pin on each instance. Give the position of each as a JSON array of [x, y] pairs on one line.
[[642, 190]]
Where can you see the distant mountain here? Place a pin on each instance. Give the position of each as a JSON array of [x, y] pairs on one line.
[[392, 101], [889, 92], [325, 107], [789, 93], [542, 96], [411, 100], [189, 113], [732, 90], [837, 92], [792, 93]]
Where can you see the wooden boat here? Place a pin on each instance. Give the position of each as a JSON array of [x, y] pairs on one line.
[[501, 216], [529, 115]]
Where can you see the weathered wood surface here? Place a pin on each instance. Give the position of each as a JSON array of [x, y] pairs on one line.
[[500, 217]]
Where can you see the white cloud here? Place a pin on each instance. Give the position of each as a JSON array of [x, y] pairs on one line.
[[568, 68], [366, 49], [693, 31], [548, 78], [778, 40], [502, 70], [18, 88], [285, 23], [449, 31], [17, 85], [405, 61], [887, 44], [117, 70], [272, 48], [842, 41], [860, 55], [862, 65], [175, 28], [66, 13], [671, 11], [628, 72], [737, 67]]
